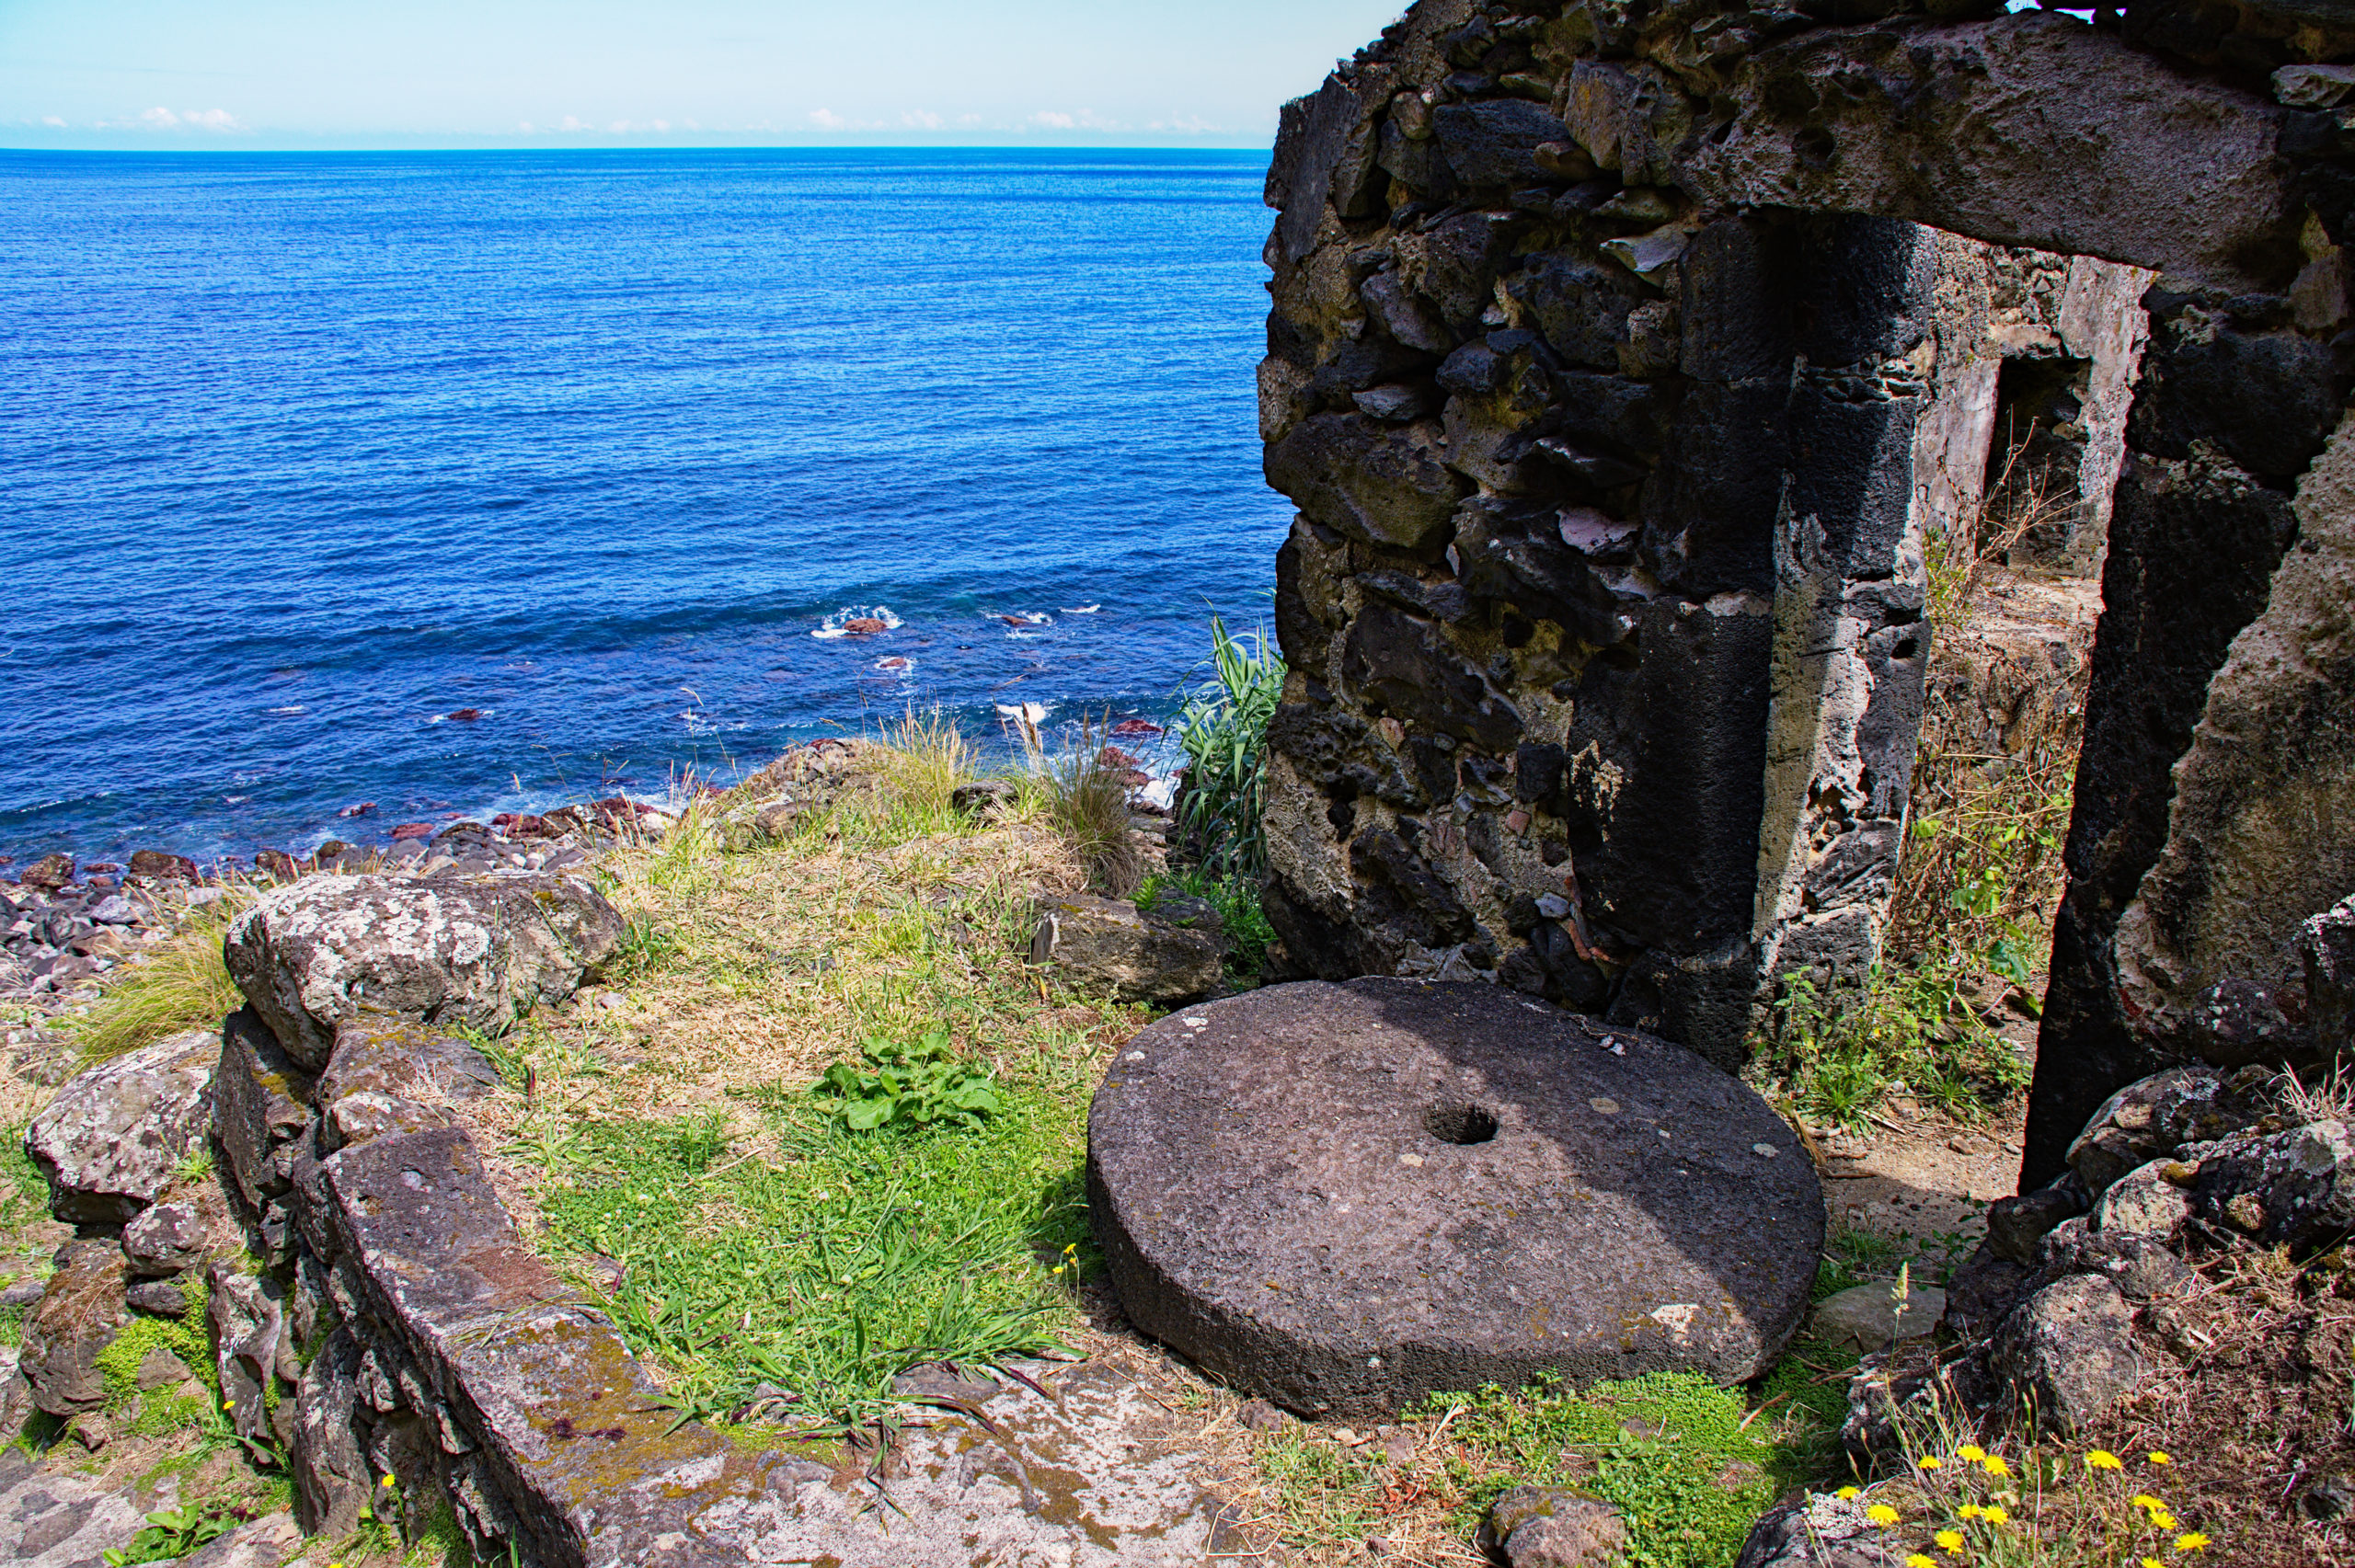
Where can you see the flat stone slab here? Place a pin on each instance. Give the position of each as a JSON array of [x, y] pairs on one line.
[[1343, 1197]]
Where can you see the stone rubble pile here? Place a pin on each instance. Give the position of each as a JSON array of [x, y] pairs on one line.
[[2077, 1298]]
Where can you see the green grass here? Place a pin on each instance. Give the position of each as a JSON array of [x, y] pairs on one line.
[[1836, 1054], [1237, 902], [1670, 1451], [161, 1411], [853, 1257]]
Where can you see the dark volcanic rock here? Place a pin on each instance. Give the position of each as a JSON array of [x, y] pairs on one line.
[[78, 1315], [472, 950], [108, 1143], [1342, 1197], [2069, 1352], [260, 1104]]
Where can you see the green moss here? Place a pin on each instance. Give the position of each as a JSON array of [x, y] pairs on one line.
[[185, 1337]]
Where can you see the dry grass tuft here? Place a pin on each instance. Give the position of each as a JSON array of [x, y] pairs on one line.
[[1087, 802], [179, 984]]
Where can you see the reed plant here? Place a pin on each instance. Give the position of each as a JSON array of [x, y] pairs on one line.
[[1223, 732]]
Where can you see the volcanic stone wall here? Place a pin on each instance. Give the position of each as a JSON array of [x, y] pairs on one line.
[[1621, 360]]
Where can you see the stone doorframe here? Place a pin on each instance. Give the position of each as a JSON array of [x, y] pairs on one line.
[[1651, 766]]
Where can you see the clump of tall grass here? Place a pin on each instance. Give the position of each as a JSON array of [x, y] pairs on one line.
[[1086, 798], [1223, 732], [181, 983], [927, 757]]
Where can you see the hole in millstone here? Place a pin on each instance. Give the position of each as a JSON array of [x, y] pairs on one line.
[[1459, 1124]]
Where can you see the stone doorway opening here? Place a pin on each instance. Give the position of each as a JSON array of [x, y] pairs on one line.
[[1606, 370]]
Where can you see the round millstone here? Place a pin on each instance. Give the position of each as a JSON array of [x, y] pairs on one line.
[[1343, 1197]]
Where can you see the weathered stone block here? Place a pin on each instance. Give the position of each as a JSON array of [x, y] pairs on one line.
[[1107, 944], [111, 1139], [473, 950], [2069, 1352], [1385, 485], [260, 1103]]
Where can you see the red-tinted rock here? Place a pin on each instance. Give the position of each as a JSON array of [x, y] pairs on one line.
[[364, 808], [50, 872], [412, 830], [464, 715], [276, 863]]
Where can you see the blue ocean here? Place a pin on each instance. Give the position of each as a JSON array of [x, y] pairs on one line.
[[463, 483]]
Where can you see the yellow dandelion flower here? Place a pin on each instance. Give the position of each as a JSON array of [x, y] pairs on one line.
[[2102, 1458], [1920, 1559], [1948, 1541], [1970, 1510], [2144, 1500], [1927, 1461], [1993, 1516], [1881, 1514], [2157, 1457], [1970, 1451], [2161, 1520], [2152, 1563], [1993, 1465], [2191, 1541], [1845, 1492]]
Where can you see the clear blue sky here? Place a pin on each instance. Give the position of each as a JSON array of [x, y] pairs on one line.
[[333, 74]]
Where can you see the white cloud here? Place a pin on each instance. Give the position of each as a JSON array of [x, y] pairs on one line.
[[922, 120], [1188, 123], [53, 122], [619, 125], [827, 120], [1086, 119], [218, 120], [571, 123], [661, 125]]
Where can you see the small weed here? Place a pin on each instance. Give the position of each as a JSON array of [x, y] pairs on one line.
[[644, 948], [920, 1085], [172, 1533]]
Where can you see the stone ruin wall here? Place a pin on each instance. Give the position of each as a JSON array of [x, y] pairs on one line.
[[1622, 359]]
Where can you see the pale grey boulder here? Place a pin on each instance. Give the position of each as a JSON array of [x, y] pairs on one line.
[[474, 951], [2068, 1352], [1868, 1317], [110, 1141]]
